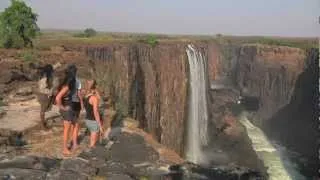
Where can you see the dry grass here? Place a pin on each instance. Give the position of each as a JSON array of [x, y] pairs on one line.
[[61, 37]]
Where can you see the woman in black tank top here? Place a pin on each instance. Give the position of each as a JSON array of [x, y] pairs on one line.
[[93, 117], [64, 102]]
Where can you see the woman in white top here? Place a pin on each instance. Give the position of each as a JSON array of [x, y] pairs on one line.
[[47, 85]]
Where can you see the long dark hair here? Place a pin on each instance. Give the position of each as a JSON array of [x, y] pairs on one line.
[[68, 80], [47, 71], [72, 69]]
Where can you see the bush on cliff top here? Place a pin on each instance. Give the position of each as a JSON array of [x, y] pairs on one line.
[[18, 25], [89, 32], [151, 40]]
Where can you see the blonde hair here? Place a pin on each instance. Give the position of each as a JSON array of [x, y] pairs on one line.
[[90, 86]]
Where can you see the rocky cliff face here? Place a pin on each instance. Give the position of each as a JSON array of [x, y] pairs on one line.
[[285, 82], [149, 82], [266, 72], [296, 124]]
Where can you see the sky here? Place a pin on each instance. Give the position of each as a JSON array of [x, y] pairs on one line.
[[295, 18]]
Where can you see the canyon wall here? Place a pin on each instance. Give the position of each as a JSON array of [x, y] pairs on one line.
[[296, 124], [267, 72], [149, 84], [285, 80]]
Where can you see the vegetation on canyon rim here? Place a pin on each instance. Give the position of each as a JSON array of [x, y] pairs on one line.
[[89, 32]]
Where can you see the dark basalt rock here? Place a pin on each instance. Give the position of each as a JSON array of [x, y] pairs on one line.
[[138, 152], [129, 155], [78, 165], [64, 174], [18, 173], [118, 177], [191, 171], [113, 167], [30, 162], [129, 159]]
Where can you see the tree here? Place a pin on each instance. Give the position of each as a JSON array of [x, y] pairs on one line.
[[18, 25], [89, 32]]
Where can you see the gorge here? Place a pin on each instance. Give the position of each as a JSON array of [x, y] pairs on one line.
[[153, 82], [191, 96]]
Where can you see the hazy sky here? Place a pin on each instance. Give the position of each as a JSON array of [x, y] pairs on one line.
[[236, 17]]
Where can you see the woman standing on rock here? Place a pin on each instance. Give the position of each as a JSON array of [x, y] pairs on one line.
[[46, 88], [64, 102], [77, 105], [93, 117]]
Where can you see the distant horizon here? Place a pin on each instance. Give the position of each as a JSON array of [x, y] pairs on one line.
[[171, 34], [274, 18]]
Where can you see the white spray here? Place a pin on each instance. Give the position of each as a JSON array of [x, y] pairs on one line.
[[197, 113]]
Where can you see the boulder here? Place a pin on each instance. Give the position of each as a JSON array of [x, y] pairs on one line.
[[78, 165], [65, 174], [16, 173], [29, 162]]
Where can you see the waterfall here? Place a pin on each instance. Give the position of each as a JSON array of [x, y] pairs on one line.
[[279, 166], [197, 113]]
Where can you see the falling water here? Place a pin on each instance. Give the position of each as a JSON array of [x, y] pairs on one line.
[[197, 114], [279, 166]]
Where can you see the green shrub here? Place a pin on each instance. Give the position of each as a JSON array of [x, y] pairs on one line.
[[89, 32], [28, 56], [151, 40]]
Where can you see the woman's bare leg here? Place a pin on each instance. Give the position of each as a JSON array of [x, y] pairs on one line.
[[66, 128], [93, 139], [107, 127], [71, 135], [75, 134]]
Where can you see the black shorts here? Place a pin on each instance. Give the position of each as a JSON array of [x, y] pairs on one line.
[[68, 115], [76, 108]]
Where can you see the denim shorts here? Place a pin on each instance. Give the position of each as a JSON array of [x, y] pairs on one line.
[[92, 125]]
